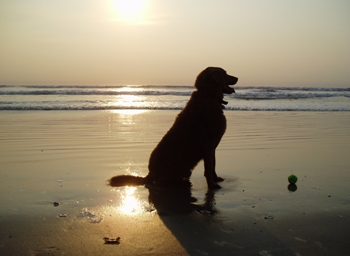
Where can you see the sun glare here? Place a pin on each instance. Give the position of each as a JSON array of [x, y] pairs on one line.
[[129, 7], [131, 11], [130, 204]]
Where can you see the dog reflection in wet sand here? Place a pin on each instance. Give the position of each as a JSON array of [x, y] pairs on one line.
[[194, 136], [179, 200]]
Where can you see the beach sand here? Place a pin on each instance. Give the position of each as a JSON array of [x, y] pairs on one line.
[[67, 157]]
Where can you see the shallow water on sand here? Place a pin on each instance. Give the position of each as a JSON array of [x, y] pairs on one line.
[[67, 156], [44, 150]]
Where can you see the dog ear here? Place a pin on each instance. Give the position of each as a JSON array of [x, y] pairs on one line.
[[202, 79]]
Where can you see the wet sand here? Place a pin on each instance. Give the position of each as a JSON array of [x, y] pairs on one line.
[[67, 156]]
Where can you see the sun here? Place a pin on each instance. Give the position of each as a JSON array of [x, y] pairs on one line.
[[129, 7], [129, 10]]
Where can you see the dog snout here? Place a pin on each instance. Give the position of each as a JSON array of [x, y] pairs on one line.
[[231, 80]]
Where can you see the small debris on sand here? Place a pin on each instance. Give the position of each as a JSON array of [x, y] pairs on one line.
[[111, 240]]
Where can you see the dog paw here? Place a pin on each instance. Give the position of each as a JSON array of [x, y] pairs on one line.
[[219, 179]]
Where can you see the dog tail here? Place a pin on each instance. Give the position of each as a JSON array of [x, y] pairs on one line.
[[126, 180]]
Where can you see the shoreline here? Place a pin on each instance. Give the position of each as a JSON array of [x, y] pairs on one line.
[[67, 157]]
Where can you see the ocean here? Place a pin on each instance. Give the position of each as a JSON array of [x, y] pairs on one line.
[[248, 98]]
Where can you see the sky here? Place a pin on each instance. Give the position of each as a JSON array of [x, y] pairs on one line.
[[168, 42]]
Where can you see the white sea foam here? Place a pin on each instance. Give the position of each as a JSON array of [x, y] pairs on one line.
[[62, 97]]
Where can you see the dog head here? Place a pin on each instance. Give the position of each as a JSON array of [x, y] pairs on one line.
[[215, 81]]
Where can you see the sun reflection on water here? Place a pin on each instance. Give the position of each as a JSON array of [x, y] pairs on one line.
[[130, 204], [129, 98], [126, 113]]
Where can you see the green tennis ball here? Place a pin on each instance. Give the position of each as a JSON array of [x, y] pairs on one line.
[[292, 179]]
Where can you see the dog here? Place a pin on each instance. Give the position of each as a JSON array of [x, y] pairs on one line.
[[194, 136]]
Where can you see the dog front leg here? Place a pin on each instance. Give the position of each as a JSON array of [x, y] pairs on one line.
[[209, 170], [216, 178]]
